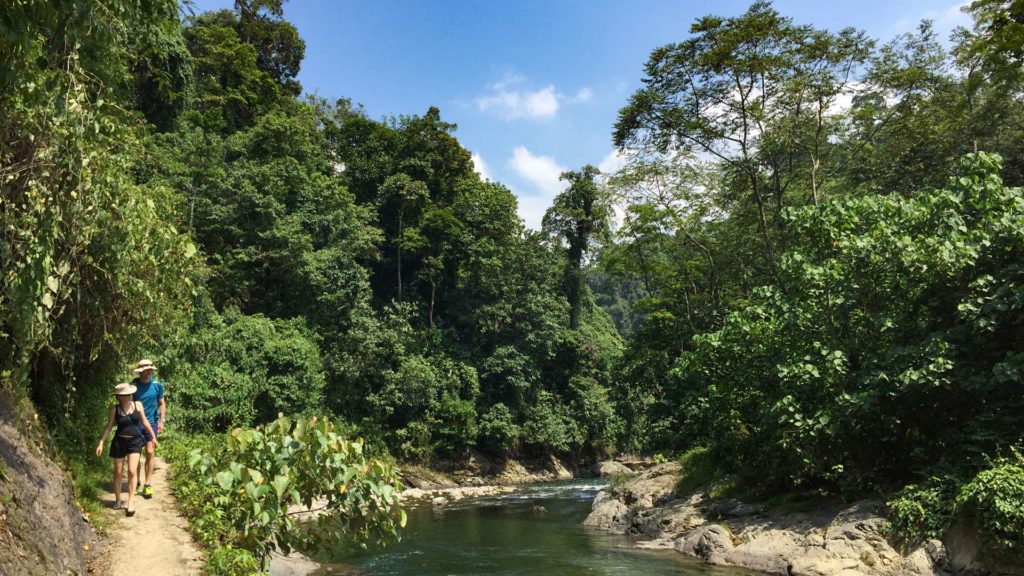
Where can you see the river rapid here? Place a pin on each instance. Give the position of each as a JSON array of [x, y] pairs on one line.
[[534, 531]]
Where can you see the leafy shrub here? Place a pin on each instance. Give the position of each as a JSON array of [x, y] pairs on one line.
[[250, 487], [592, 408], [453, 421], [698, 470], [922, 511], [548, 425], [499, 434], [413, 442], [996, 498], [239, 370], [195, 500], [618, 480]]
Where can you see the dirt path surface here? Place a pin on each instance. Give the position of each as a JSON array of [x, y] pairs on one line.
[[154, 541]]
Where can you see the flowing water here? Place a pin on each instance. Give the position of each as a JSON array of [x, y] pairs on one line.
[[534, 531]]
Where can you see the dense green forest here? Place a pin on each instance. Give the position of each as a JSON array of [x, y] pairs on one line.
[[808, 274]]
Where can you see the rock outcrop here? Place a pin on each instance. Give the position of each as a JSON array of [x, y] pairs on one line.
[[612, 468], [833, 539], [42, 529], [442, 496]]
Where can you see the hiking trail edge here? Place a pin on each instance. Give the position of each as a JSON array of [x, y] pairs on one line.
[[155, 541]]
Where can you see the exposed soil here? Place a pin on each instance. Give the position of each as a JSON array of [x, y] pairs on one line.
[[155, 541]]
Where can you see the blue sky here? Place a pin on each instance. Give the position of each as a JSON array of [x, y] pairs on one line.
[[533, 85]]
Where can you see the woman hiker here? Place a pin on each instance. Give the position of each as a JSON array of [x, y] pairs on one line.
[[128, 440]]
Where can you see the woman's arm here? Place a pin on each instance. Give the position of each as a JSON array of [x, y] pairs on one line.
[[110, 424], [145, 422]]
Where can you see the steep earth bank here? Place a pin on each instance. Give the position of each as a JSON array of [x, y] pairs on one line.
[[833, 539], [479, 476], [42, 529], [479, 470]]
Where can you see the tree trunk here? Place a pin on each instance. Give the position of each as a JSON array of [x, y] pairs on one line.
[[433, 291], [399, 256]]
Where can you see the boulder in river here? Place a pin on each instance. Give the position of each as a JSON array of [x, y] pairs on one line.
[[609, 514]]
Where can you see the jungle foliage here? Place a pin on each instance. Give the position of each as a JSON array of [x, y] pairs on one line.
[[819, 268], [170, 194], [815, 283]]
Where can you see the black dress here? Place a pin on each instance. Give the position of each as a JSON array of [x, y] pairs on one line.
[[129, 438]]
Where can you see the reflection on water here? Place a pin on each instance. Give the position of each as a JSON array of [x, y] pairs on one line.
[[535, 532]]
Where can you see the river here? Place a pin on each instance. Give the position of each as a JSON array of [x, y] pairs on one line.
[[534, 531]]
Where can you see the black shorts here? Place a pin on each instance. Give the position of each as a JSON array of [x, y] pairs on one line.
[[122, 447]]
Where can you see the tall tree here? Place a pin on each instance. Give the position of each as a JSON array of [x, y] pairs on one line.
[[578, 216], [279, 49], [738, 90], [403, 199], [232, 90]]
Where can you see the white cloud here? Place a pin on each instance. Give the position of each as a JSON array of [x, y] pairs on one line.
[[509, 101], [584, 94], [508, 79], [541, 104], [532, 209], [944, 19], [951, 17], [480, 166], [543, 173], [611, 163]]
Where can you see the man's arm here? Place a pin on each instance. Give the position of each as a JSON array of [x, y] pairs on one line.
[[163, 414]]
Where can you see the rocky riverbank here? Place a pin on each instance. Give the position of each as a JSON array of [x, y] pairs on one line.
[[478, 470], [479, 476], [832, 539]]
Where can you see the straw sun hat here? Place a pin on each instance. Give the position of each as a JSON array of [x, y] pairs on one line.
[[145, 365], [124, 389]]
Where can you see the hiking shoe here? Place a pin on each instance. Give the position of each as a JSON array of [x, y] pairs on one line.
[[129, 512], [147, 491], [117, 505]]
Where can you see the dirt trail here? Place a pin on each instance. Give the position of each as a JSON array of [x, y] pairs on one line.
[[154, 541]]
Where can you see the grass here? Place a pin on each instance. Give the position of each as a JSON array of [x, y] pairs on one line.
[[699, 472], [89, 477]]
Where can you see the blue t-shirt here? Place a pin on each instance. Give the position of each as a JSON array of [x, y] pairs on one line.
[[149, 393]]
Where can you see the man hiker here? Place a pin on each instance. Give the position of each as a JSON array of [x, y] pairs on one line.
[[150, 392]]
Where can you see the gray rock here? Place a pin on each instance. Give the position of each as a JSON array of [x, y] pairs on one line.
[[651, 487], [608, 514], [830, 540], [669, 520], [708, 543], [928, 560], [294, 564], [725, 509], [612, 468]]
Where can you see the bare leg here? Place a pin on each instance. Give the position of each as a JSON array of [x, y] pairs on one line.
[[150, 453], [118, 464], [133, 478]]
